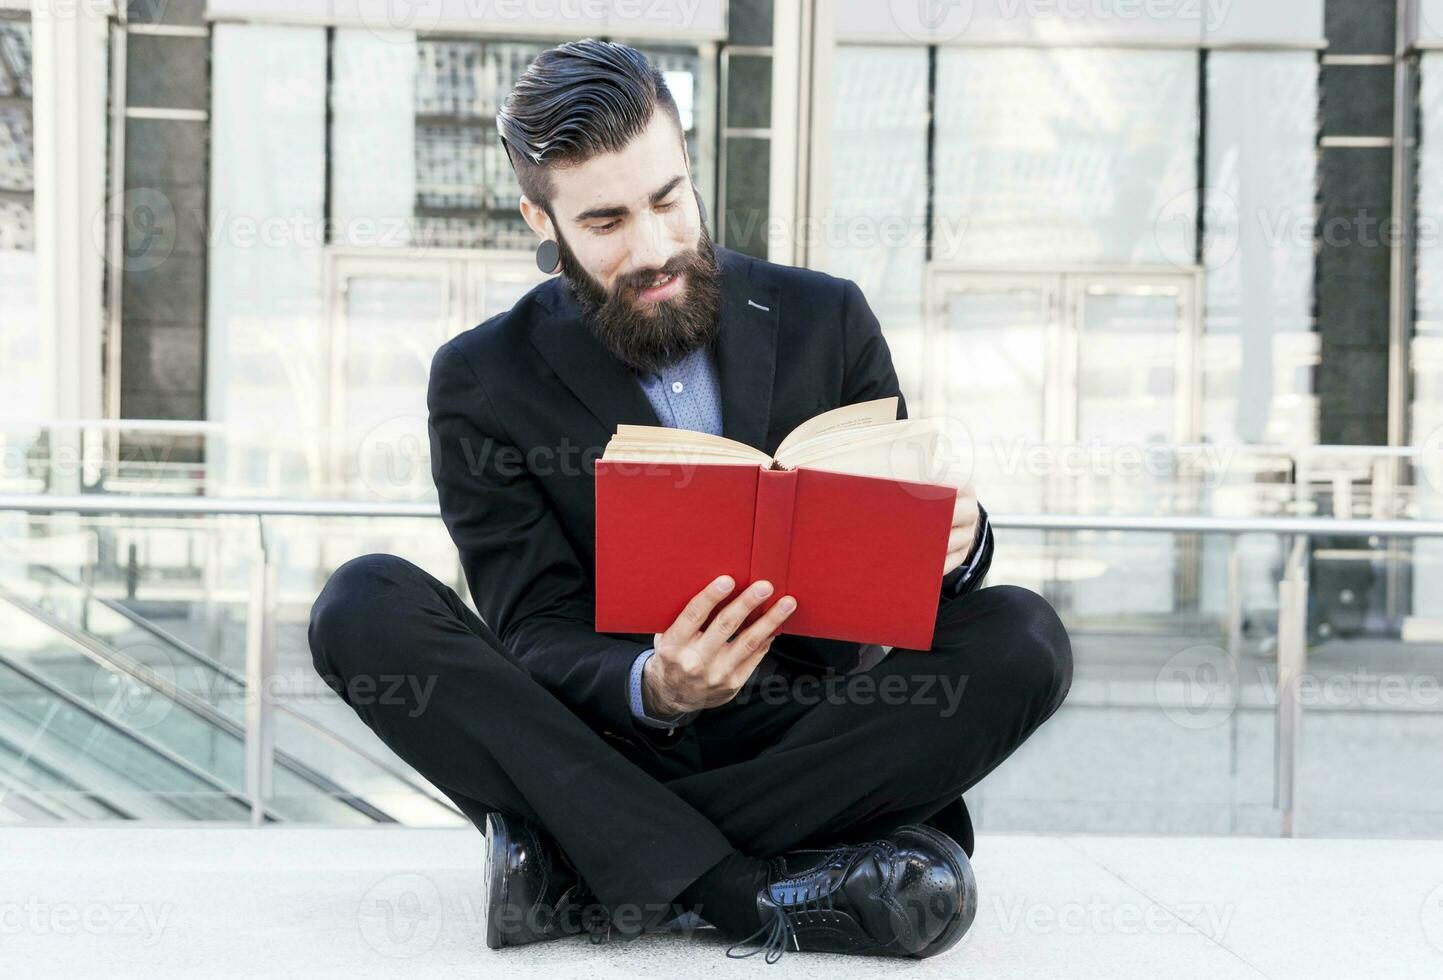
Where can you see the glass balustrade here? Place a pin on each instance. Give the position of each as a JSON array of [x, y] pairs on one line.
[[1200, 703]]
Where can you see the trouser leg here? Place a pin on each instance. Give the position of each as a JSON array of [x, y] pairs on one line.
[[438, 687], [845, 761], [895, 744]]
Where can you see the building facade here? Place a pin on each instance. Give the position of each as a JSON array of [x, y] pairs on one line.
[[1148, 257]]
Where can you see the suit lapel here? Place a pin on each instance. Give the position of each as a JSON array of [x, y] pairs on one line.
[[746, 351], [746, 358]]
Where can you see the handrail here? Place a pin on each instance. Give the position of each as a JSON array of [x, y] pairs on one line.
[[242, 506], [210, 506], [206, 427]]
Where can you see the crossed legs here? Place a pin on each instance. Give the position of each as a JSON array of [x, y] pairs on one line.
[[794, 760]]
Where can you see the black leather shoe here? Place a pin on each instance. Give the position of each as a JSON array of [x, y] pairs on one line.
[[532, 891], [912, 894]]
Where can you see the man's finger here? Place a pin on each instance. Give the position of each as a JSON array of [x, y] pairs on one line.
[[750, 644], [734, 613], [744, 670], [694, 614], [960, 538], [966, 503]]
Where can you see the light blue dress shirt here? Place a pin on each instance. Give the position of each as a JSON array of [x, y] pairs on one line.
[[687, 395]]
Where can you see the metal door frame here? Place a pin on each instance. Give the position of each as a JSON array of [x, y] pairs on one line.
[[1065, 289], [459, 269]]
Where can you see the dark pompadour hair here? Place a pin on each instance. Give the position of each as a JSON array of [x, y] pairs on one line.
[[574, 101]]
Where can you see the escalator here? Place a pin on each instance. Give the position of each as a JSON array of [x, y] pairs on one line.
[[61, 759], [104, 715]]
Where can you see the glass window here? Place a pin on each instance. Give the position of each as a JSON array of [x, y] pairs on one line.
[[266, 332], [874, 229], [466, 192], [1427, 346], [416, 155], [1259, 345], [1050, 156], [23, 388], [1426, 352], [373, 146]]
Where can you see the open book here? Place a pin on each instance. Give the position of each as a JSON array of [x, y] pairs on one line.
[[865, 439], [848, 517]]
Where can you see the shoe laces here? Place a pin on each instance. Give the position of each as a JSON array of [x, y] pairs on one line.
[[803, 903]]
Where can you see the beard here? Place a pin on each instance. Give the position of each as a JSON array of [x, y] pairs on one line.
[[650, 336]]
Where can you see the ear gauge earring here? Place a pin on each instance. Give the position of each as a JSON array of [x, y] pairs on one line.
[[548, 257]]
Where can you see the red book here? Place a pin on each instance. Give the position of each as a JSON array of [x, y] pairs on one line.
[[861, 552]]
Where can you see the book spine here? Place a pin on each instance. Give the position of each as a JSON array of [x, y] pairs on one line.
[[772, 529]]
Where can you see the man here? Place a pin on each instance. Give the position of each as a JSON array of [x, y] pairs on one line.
[[803, 792]]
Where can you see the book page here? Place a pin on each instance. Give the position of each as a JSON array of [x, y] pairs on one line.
[[665, 435], [801, 453], [664, 444], [679, 458], [856, 416], [904, 450], [638, 453], [639, 449]]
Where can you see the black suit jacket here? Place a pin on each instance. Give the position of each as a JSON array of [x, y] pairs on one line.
[[521, 406]]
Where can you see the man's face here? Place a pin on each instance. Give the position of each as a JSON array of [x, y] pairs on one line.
[[634, 250]]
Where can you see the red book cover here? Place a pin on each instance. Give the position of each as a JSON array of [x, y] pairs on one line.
[[862, 555]]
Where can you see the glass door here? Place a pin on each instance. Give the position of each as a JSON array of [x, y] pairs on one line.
[[991, 349], [1070, 387], [1131, 349], [388, 317], [388, 314]]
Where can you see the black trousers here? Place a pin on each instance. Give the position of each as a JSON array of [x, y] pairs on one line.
[[795, 760]]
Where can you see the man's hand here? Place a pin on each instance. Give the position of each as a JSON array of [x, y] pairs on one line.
[[695, 668], [963, 537]]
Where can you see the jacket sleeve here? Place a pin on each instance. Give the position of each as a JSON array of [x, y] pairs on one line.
[[523, 574], [868, 374], [969, 575]]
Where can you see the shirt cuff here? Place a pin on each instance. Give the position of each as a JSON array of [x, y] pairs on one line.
[[638, 703]]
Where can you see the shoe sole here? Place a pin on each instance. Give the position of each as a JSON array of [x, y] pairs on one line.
[[962, 868], [498, 845]]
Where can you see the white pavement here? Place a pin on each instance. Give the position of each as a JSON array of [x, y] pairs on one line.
[[190, 902]]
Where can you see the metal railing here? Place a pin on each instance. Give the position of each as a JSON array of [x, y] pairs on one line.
[[1381, 477], [1292, 594]]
